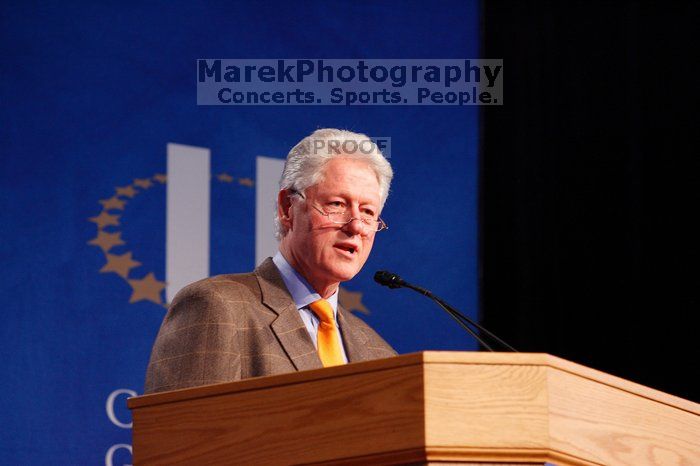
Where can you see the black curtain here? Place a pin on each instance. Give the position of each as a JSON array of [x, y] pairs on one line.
[[588, 186]]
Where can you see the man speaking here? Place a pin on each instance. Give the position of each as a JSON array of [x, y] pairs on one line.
[[284, 316]]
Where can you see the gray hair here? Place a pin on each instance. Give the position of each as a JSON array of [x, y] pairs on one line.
[[306, 160]]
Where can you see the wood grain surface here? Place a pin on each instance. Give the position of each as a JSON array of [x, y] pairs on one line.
[[294, 423], [423, 408]]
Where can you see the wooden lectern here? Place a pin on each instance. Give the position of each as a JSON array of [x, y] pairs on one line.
[[422, 408]]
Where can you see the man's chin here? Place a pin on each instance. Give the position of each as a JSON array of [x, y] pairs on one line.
[[343, 274]]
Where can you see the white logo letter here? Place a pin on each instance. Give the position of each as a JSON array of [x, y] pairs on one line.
[[110, 453], [110, 408]]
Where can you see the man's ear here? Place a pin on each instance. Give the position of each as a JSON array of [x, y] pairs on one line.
[[284, 207]]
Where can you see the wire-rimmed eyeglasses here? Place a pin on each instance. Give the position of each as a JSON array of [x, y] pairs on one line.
[[343, 217]]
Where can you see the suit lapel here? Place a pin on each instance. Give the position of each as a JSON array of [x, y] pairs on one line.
[[288, 326], [355, 339]]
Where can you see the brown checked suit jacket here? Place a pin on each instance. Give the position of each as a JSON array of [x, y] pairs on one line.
[[232, 327]]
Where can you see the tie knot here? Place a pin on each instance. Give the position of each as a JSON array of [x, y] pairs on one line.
[[323, 310]]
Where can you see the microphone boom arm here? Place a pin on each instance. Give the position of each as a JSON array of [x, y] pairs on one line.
[[394, 281]]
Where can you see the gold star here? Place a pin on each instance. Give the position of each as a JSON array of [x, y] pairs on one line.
[[113, 203], [246, 182], [224, 177], [352, 301], [127, 191], [105, 220], [107, 241], [148, 288], [160, 178], [144, 183], [120, 264]]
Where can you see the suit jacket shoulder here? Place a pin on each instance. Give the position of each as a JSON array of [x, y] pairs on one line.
[[236, 326], [198, 342]]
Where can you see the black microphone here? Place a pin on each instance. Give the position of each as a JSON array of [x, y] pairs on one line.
[[389, 279], [392, 280]]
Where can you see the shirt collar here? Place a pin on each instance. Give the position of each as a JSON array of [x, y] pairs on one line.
[[302, 293]]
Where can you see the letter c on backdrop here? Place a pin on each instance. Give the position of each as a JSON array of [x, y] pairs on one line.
[[110, 453], [110, 406]]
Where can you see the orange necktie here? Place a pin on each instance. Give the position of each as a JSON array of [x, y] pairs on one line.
[[328, 337]]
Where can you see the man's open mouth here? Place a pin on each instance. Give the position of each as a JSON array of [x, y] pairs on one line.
[[347, 247]]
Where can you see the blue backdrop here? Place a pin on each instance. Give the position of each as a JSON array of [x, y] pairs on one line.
[[90, 96]]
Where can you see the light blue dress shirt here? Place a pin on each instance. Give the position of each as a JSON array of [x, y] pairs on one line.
[[303, 295]]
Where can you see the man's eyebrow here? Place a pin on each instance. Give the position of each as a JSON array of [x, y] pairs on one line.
[[362, 201]]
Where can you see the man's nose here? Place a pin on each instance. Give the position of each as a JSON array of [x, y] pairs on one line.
[[355, 227]]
